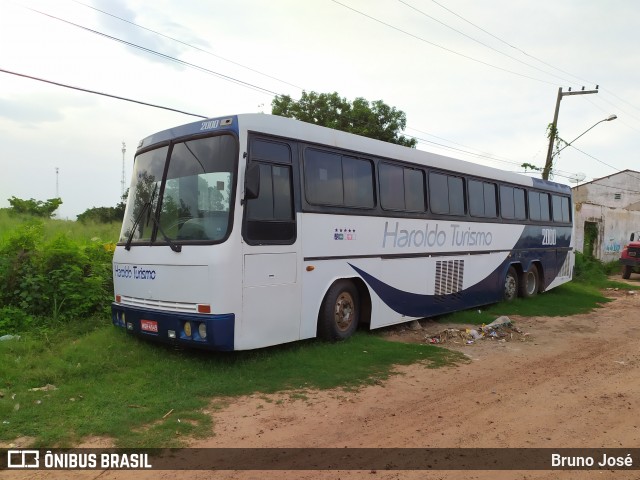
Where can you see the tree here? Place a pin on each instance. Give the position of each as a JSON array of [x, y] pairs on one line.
[[370, 119], [37, 208], [105, 214], [100, 215]]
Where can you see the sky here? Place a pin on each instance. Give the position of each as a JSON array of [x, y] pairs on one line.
[[478, 81]]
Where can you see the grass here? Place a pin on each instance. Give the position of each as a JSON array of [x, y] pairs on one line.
[[106, 232], [566, 300], [113, 385]]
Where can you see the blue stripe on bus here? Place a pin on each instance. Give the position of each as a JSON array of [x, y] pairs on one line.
[[489, 290], [422, 305]]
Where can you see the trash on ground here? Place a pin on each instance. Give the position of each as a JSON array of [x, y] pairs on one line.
[[4, 338], [48, 387], [501, 329], [503, 320]]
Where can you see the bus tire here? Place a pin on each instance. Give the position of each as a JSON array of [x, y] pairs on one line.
[[530, 283], [339, 312], [626, 271], [510, 285]]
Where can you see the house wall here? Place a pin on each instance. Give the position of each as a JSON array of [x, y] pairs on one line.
[[613, 204], [614, 228]]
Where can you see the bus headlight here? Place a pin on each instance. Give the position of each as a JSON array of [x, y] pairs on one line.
[[202, 330], [187, 329]]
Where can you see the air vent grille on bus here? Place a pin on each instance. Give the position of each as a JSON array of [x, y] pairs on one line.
[[449, 277]]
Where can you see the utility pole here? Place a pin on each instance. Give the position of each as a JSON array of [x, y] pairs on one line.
[[554, 127], [57, 185], [124, 149]]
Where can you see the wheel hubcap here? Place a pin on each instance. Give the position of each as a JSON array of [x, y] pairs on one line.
[[531, 283], [510, 287], [344, 311]]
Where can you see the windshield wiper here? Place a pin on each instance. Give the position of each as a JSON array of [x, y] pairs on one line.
[[174, 246], [151, 215], [145, 207]]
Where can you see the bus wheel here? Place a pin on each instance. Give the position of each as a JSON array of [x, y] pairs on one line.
[[626, 271], [340, 312], [530, 283], [510, 285]]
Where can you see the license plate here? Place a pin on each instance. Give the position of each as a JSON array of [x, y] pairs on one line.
[[632, 254], [149, 326]]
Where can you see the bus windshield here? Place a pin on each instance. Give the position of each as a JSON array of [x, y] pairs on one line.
[[192, 202]]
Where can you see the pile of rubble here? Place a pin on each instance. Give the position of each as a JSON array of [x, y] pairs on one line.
[[501, 330]]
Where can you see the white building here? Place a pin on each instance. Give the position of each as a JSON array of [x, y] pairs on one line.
[[607, 211]]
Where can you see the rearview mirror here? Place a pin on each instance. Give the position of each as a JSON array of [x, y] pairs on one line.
[[633, 235], [252, 181]]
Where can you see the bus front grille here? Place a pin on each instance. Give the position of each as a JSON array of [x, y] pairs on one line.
[[159, 304]]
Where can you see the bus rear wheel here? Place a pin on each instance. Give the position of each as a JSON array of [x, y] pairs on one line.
[[339, 312], [530, 283], [510, 291]]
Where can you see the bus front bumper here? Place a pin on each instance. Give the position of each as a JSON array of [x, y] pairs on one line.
[[212, 332]]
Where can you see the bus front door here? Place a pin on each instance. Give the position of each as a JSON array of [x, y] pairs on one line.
[[271, 281]]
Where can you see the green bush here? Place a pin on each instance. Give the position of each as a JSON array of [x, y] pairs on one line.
[[57, 280], [589, 269], [14, 320], [594, 272]]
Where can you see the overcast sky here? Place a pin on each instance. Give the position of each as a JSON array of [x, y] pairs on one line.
[[480, 78]]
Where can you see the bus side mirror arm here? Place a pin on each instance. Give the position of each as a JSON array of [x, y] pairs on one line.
[[252, 182]]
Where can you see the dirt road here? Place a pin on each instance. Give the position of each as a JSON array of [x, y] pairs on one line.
[[573, 383]]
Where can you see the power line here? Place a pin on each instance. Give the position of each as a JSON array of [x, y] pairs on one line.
[[603, 89], [509, 44], [95, 92], [188, 45], [604, 163], [482, 154], [479, 155], [479, 41], [440, 46], [159, 54]]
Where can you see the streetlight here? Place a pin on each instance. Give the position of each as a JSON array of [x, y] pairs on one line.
[[608, 119], [549, 163]]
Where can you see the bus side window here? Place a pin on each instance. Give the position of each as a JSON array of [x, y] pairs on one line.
[[401, 188], [269, 218], [446, 194], [560, 208], [512, 203]]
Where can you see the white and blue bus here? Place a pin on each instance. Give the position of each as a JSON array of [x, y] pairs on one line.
[[253, 230]]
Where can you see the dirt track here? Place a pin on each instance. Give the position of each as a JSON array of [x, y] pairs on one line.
[[573, 383]]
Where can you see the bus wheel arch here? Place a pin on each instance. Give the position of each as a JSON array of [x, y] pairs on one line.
[[365, 301], [510, 284], [340, 311], [530, 281]]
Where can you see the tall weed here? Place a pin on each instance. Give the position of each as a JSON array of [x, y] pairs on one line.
[[51, 280]]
